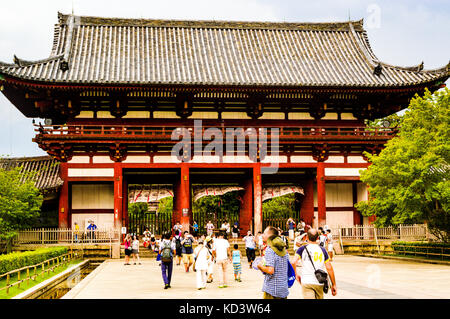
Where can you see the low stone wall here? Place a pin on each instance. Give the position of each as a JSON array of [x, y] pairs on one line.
[[356, 247]]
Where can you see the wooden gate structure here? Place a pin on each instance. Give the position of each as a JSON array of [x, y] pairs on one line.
[[123, 99]]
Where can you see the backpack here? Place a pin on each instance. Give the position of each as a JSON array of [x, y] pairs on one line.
[[178, 243], [286, 241], [166, 253]]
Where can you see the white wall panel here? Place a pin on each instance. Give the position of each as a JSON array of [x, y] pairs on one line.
[[339, 194], [93, 196], [91, 172], [335, 219]]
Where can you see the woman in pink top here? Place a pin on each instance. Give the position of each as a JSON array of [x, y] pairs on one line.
[[128, 249]]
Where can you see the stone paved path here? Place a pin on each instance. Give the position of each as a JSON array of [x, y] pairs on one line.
[[357, 278]]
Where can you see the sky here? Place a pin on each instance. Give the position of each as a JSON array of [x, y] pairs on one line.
[[403, 32]]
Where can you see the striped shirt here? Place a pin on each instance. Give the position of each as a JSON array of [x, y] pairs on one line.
[[276, 284]]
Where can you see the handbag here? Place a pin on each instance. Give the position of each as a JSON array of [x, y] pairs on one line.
[[322, 276]]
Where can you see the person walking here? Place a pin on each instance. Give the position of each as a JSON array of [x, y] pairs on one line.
[[275, 269], [236, 257], [135, 250], [167, 251], [313, 257], [322, 237], [195, 230], [290, 226], [260, 243], [226, 227], [209, 246], [128, 248], [209, 229], [330, 244], [235, 232], [187, 250], [222, 254], [250, 246], [202, 256], [178, 247]]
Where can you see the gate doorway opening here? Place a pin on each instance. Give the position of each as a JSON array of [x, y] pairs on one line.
[[284, 196], [218, 196], [149, 201]]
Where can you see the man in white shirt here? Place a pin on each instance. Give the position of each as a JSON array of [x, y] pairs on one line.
[[250, 246], [330, 244], [223, 255], [313, 257]]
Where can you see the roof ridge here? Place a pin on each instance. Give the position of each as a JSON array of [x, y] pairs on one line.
[[143, 22], [31, 158]]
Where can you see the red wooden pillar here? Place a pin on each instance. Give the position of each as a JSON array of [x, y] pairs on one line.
[[246, 211], [321, 199], [357, 220], [182, 211], [257, 198], [307, 209], [64, 197], [124, 218], [118, 194]]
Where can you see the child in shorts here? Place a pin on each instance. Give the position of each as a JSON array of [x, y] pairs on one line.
[[236, 255]]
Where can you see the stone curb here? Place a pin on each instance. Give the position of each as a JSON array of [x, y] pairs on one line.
[[42, 285]]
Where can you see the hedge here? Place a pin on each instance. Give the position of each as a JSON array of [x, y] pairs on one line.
[[18, 260], [423, 247]]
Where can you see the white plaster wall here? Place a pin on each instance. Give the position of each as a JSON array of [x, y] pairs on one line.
[[93, 196], [361, 191], [137, 115], [102, 160], [335, 159], [235, 115], [204, 115], [164, 114], [335, 219], [339, 194], [79, 160], [272, 116], [300, 116], [166, 159], [355, 159], [302, 159], [333, 171], [336, 195], [91, 172], [137, 159], [347, 116]]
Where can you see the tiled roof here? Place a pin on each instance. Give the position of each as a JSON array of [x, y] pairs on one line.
[[47, 170], [90, 50]]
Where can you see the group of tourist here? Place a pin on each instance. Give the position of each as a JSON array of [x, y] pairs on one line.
[[313, 247], [209, 251]]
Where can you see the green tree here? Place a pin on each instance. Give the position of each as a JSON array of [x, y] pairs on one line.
[[20, 202], [279, 207], [408, 180]]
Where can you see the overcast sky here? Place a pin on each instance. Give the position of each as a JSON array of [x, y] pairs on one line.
[[403, 32]]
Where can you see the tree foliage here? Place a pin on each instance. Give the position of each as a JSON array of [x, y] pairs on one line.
[[20, 201], [280, 207], [408, 180]]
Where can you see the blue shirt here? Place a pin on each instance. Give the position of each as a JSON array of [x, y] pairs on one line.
[[236, 257], [92, 227], [276, 284]]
